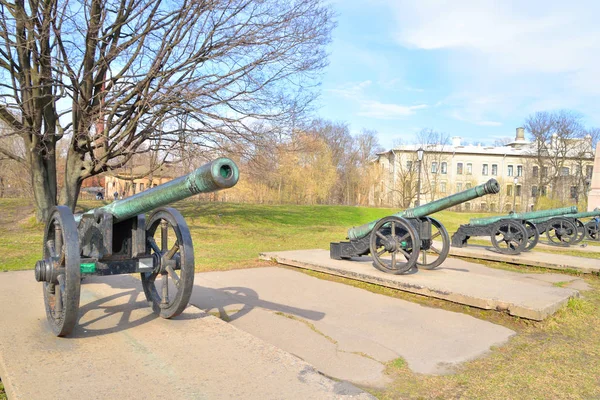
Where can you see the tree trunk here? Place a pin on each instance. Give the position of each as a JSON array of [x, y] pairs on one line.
[[43, 181], [73, 179]]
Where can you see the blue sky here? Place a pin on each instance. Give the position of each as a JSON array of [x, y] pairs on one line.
[[474, 69]]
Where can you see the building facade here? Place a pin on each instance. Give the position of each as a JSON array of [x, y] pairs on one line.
[[560, 173], [129, 181]]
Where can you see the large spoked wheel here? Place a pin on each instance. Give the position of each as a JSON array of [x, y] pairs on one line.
[[533, 236], [394, 245], [592, 230], [169, 286], [509, 237], [60, 271], [561, 232], [431, 255], [580, 231]]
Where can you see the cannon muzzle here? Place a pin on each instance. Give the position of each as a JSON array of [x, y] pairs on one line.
[[555, 212], [490, 187], [218, 174]]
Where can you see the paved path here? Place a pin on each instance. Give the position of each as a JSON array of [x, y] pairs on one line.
[[122, 351], [532, 258], [345, 332], [582, 247], [456, 280]]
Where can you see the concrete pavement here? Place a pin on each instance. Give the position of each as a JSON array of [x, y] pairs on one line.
[[121, 350], [532, 258], [455, 280], [345, 332]]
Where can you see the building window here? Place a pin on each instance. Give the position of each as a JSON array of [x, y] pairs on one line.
[[114, 184], [484, 207], [434, 167], [442, 187], [535, 172], [510, 170], [141, 187], [578, 170], [459, 187], [573, 192], [409, 165], [564, 171], [493, 207], [518, 188], [544, 172], [459, 168], [469, 168], [484, 169], [534, 191], [467, 206], [519, 170], [588, 171], [444, 168], [509, 190], [134, 187], [543, 191], [495, 169], [468, 185]]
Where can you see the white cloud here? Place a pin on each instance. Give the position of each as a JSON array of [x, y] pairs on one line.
[[373, 108], [523, 54]]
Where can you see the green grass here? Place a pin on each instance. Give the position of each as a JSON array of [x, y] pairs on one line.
[[2, 392], [555, 359]]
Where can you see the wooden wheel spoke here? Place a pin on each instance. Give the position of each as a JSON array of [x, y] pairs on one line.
[[438, 233], [165, 289], [405, 253], [393, 259], [434, 249], [173, 276], [380, 235], [153, 245], [380, 252]]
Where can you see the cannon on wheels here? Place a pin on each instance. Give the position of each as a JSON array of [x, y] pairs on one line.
[[408, 239], [567, 229], [118, 239], [515, 233], [592, 228]]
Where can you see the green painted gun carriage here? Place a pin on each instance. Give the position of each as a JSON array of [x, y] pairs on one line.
[[119, 239], [518, 232], [408, 239]]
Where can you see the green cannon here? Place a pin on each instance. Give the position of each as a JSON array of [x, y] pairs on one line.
[[396, 242], [517, 232], [568, 229], [118, 239]]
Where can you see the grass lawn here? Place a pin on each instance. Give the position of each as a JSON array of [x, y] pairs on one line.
[[555, 359]]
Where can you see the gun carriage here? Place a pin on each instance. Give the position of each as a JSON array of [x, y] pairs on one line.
[[395, 242], [568, 229], [515, 233], [118, 239]]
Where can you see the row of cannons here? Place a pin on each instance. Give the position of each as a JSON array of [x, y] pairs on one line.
[[412, 239], [119, 239]]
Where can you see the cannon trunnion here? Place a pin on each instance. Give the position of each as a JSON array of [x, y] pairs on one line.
[[408, 239], [118, 239]]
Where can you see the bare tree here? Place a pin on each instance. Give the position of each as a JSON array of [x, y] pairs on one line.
[[560, 143], [433, 144], [108, 75]]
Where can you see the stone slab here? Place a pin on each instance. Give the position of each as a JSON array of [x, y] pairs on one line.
[[456, 280], [120, 350], [532, 258], [345, 332]]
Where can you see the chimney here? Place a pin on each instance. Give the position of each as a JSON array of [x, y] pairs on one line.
[[456, 141], [520, 135]]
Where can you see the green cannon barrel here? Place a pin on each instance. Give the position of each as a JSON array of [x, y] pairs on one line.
[[218, 174], [490, 187], [555, 212], [580, 215]]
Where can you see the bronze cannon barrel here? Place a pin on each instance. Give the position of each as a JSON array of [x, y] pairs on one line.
[[555, 212], [490, 187], [218, 174]]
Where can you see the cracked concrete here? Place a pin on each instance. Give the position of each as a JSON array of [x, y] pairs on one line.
[[345, 332]]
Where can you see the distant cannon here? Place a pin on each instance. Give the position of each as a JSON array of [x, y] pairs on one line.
[[515, 233], [568, 229], [117, 239], [395, 242]]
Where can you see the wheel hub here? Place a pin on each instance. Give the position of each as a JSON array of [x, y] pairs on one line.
[[45, 271]]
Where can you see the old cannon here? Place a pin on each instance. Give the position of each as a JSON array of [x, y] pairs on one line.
[[515, 233], [118, 239], [395, 242], [561, 231]]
